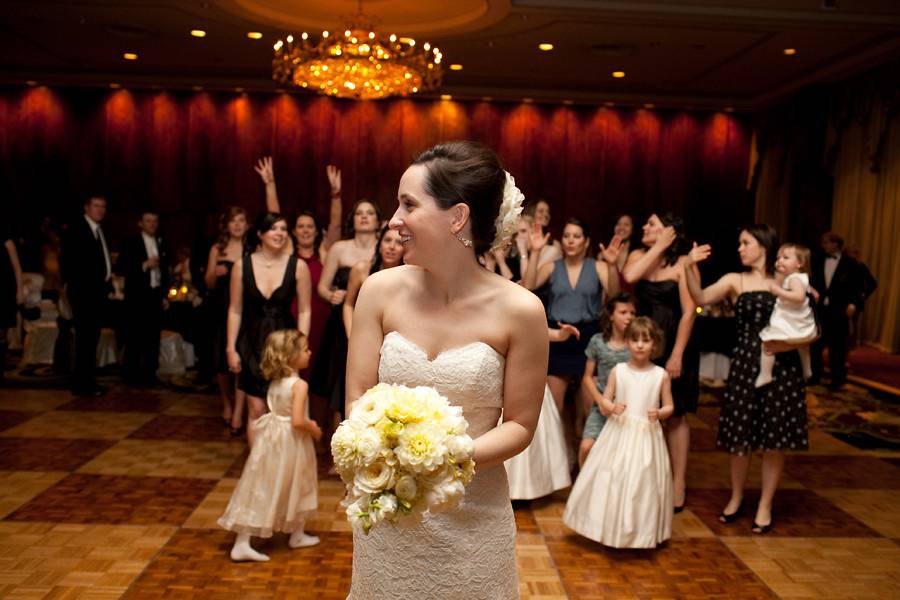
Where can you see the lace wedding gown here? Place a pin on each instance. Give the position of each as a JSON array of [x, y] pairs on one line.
[[468, 552]]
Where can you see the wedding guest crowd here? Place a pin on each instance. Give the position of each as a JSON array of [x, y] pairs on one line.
[[292, 273]]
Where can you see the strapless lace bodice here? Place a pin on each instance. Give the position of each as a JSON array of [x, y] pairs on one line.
[[465, 553], [470, 376]]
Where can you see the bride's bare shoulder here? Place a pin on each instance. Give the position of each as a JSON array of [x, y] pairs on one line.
[[393, 279], [518, 302]]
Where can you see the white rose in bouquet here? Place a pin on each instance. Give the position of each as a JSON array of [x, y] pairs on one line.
[[374, 478], [406, 488]]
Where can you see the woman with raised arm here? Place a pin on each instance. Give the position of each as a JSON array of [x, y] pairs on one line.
[[311, 246], [388, 255], [657, 273], [772, 418], [263, 286], [444, 321], [576, 286], [327, 378], [227, 250]]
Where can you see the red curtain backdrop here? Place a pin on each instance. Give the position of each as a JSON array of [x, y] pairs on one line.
[[190, 155]]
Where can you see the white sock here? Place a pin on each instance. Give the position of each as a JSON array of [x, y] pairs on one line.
[[241, 551], [300, 539]]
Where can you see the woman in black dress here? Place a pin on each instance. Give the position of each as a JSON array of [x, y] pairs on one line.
[[263, 286], [771, 418], [327, 375], [227, 250], [657, 273]]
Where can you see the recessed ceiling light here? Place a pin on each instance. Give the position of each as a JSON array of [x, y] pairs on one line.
[[568, 102], [198, 33], [254, 35], [446, 97], [130, 56], [115, 86], [609, 104], [729, 109], [198, 88], [618, 74], [239, 90], [456, 67], [486, 98], [527, 100], [545, 46], [790, 51], [31, 82], [649, 105]]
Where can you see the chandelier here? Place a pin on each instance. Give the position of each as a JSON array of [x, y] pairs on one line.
[[357, 63]]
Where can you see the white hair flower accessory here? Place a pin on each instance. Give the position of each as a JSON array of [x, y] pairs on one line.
[[507, 219]]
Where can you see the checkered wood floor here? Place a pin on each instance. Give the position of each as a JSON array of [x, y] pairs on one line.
[[118, 497]]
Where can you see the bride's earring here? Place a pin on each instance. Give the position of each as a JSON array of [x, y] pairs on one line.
[[465, 242]]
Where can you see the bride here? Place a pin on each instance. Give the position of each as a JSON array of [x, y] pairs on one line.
[[444, 321]]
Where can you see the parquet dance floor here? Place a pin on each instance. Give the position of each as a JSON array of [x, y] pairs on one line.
[[118, 497]]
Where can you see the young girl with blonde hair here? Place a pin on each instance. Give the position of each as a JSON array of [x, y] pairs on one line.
[[278, 488]]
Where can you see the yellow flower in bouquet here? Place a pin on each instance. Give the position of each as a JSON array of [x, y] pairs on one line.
[[402, 452]]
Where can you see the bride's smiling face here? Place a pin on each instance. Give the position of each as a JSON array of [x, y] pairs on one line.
[[423, 226]]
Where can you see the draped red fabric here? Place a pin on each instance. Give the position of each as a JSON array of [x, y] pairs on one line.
[[190, 155]]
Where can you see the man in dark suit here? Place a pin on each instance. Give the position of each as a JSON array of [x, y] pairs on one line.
[[87, 273], [836, 277], [144, 265]]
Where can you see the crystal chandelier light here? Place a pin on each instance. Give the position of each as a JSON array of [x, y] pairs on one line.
[[357, 63]]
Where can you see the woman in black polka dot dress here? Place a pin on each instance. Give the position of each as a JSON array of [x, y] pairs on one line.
[[771, 418]]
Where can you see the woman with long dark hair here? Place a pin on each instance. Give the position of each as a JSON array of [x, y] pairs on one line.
[[263, 286], [657, 273], [771, 418], [327, 378]]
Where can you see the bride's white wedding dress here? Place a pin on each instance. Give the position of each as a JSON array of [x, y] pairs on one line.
[[468, 552]]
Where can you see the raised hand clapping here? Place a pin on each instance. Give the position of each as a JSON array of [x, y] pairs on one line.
[[538, 238], [610, 254], [699, 253]]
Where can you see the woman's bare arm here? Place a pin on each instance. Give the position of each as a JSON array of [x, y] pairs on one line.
[[357, 276], [523, 384]]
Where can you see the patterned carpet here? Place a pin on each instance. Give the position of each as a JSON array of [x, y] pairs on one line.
[[118, 497]]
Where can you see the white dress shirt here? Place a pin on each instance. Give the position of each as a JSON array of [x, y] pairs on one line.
[[98, 234], [152, 252], [831, 264]]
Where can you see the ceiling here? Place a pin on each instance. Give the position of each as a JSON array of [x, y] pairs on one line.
[[697, 54]]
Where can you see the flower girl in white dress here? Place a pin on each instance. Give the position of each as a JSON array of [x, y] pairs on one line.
[[278, 487], [623, 495], [792, 318]]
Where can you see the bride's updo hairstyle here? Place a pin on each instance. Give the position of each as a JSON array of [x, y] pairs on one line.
[[469, 173]]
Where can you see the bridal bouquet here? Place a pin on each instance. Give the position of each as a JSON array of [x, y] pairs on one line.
[[401, 452]]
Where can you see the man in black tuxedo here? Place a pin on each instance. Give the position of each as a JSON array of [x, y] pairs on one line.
[[144, 265], [836, 276], [87, 273]]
